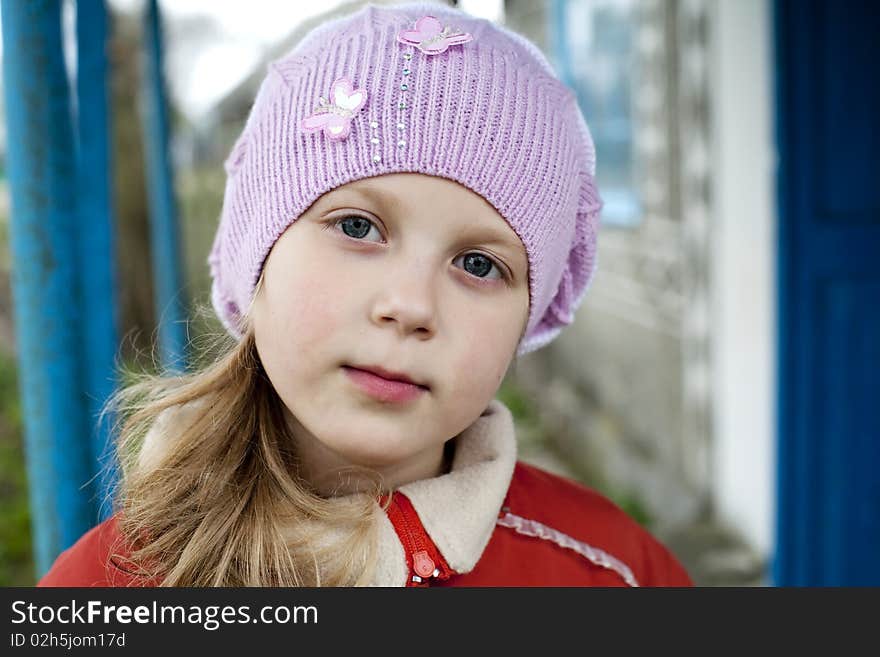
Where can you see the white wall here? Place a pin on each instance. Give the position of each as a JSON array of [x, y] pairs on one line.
[[743, 262]]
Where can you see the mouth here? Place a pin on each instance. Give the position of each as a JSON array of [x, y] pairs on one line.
[[380, 385], [389, 375]]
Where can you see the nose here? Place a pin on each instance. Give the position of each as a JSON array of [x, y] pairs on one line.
[[407, 301]]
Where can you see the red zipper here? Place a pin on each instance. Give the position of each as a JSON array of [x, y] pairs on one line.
[[424, 561]]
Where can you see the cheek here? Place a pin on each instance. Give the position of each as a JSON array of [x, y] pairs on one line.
[[313, 313], [307, 308], [485, 354]]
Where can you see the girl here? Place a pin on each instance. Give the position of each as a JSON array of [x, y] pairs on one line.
[[410, 206]]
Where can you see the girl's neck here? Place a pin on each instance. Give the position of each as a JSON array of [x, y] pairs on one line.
[[331, 475]]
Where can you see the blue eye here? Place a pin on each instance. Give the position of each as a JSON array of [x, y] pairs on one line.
[[355, 226], [479, 265]]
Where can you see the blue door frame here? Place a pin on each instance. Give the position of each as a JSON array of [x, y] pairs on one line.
[[827, 110]]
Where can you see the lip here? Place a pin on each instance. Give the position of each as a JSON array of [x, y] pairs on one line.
[[388, 374], [382, 388]]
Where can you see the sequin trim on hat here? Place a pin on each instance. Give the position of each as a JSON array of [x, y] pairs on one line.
[[374, 140], [431, 37], [405, 82], [334, 118]]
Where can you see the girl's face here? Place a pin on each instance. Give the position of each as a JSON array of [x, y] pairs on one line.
[[410, 273]]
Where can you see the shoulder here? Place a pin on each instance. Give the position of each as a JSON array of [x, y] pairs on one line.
[[577, 517], [90, 561]]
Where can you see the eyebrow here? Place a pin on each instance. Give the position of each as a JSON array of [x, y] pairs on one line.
[[482, 234]]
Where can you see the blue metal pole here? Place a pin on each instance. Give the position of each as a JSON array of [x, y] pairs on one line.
[[559, 31], [97, 238], [163, 217], [43, 239]]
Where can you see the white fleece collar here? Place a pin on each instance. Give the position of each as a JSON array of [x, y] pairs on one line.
[[458, 509]]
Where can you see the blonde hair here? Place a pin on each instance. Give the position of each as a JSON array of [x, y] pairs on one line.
[[208, 491]]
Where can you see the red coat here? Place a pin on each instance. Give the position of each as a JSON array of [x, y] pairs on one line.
[[550, 531]]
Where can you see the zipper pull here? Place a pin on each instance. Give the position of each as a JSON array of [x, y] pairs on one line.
[[424, 566]]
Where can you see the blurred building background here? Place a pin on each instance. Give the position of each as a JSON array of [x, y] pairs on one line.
[[663, 394]]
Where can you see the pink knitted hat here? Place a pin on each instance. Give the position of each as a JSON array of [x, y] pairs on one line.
[[416, 88]]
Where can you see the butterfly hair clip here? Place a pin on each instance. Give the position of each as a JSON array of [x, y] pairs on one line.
[[335, 117], [431, 37]]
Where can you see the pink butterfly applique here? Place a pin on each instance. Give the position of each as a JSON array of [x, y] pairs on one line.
[[335, 118], [431, 37]]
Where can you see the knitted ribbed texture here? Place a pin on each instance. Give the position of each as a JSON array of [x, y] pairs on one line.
[[488, 114]]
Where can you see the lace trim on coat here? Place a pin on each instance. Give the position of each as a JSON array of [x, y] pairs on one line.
[[599, 557]]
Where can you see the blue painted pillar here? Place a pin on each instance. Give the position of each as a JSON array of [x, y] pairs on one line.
[[167, 276], [97, 238], [45, 288]]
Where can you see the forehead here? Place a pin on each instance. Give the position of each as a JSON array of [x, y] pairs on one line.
[[459, 208]]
